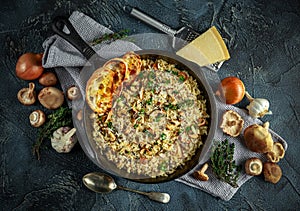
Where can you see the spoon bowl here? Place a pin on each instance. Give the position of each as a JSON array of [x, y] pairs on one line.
[[103, 183]]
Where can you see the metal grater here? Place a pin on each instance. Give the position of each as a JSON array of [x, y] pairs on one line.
[[185, 33]]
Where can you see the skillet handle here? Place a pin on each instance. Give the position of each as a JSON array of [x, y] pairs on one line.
[[72, 36]]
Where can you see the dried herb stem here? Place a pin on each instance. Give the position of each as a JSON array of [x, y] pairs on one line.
[[111, 37]]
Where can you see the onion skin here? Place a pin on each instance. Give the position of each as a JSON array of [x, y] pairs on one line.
[[29, 66], [232, 89]]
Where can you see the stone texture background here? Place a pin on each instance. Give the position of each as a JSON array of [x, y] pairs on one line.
[[263, 38]]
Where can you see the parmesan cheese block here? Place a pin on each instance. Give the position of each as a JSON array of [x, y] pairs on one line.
[[206, 49]]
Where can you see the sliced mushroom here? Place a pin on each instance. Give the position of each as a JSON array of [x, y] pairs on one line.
[[272, 172], [253, 166], [232, 123], [37, 118], [200, 175], [27, 96], [277, 153], [51, 97], [73, 93]]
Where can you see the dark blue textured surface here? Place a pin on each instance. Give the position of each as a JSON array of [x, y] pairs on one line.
[[263, 38]]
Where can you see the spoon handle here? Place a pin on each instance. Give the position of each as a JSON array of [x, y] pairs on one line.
[[156, 196]]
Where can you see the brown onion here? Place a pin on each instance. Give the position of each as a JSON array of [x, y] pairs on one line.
[[29, 66], [232, 89]]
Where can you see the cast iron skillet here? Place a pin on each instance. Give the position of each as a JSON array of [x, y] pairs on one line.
[[95, 61]]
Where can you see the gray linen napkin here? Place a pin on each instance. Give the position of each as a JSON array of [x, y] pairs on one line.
[[68, 62]]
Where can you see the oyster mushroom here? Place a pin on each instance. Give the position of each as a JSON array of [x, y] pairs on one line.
[[258, 138], [51, 97], [63, 139], [253, 166], [37, 118], [272, 172], [72, 93], [27, 96], [232, 123], [277, 153], [200, 175]]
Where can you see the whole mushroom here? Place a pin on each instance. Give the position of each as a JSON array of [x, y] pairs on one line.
[[48, 79], [272, 172], [27, 96], [72, 93], [232, 123], [51, 97], [37, 118], [200, 175], [258, 138], [63, 139], [253, 166]]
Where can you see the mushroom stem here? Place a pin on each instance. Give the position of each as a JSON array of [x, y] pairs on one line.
[[30, 92]]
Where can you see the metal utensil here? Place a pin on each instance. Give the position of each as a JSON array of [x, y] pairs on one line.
[[185, 33], [103, 183]]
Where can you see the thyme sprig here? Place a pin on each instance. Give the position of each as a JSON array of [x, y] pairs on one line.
[[59, 118], [111, 37], [223, 165]]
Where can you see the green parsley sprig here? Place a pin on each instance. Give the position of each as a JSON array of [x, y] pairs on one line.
[[59, 118], [223, 165]]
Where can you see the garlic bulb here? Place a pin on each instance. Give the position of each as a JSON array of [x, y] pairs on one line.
[[258, 107]]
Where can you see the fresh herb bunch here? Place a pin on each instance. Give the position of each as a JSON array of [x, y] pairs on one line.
[[111, 37], [223, 165], [59, 118]]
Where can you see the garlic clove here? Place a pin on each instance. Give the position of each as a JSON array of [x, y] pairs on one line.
[[63, 139]]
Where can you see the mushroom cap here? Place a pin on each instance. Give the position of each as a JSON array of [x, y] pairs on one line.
[[277, 153], [73, 93], [27, 96], [37, 118], [232, 123], [253, 166], [51, 97], [258, 139], [272, 172], [48, 79]]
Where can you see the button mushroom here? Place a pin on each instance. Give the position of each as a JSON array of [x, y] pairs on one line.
[[272, 172], [37, 118], [232, 123], [253, 166], [72, 93], [277, 153], [63, 139], [200, 175], [27, 96], [51, 97], [258, 138]]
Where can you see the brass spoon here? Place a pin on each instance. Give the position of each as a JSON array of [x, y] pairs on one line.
[[103, 183]]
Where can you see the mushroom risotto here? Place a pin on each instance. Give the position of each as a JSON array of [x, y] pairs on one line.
[[155, 123]]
